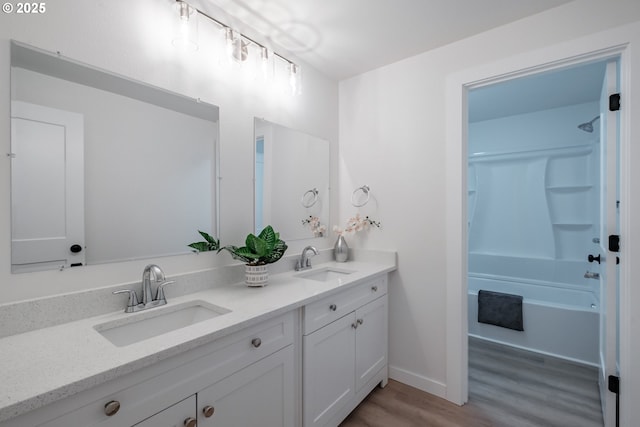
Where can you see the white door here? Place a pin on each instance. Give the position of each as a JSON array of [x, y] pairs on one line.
[[328, 370], [47, 187], [371, 340], [609, 226]]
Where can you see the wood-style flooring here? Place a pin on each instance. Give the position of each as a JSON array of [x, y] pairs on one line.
[[507, 388]]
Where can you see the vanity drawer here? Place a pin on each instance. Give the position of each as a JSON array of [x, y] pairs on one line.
[[150, 390], [325, 311]]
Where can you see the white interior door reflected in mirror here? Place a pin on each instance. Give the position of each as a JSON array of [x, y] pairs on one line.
[[47, 184], [291, 181], [148, 164]]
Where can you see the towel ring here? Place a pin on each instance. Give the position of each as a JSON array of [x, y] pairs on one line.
[[366, 190], [314, 198]]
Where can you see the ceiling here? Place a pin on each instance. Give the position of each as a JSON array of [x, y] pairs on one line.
[[344, 38]]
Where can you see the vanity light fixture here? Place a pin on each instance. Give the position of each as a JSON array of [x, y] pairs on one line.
[[236, 45], [187, 31], [266, 65], [294, 78]]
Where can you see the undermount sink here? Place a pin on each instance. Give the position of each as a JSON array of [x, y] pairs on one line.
[[150, 324], [325, 274]]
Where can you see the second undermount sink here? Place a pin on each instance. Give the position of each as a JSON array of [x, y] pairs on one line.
[[150, 324], [325, 274]]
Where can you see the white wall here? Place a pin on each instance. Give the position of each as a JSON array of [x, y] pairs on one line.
[[392, 135], [134, 39]]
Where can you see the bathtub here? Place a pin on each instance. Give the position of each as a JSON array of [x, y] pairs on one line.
[[560, 322]]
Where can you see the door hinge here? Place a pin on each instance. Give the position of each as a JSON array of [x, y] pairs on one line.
[[614, 384], [614, 243], [614, 102]]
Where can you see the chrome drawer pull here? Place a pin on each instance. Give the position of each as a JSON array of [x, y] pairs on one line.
[[374, 288], [333, 307], [208, 411], [190, 422], [256, 342]]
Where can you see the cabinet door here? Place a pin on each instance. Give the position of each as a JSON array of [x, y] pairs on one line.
[[329, 370], [371, 340], [259, 395], [177, 415]]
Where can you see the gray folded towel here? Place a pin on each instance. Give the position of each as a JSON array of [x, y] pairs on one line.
[[497, 308]]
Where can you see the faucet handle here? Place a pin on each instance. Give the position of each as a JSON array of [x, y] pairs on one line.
[[160, 294], [133, 299]]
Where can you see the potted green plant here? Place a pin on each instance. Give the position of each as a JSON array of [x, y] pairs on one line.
[[210, 243], [258, 251]]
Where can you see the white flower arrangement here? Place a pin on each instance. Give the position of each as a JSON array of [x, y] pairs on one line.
[[315, 225], [356, 223]]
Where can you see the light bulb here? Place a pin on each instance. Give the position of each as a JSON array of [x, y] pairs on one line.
[[265, 63], [187, 27], [294, 79]]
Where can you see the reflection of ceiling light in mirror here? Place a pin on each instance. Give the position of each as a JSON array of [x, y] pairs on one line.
[[186, 35]]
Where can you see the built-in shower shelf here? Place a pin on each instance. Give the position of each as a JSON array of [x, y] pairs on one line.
[[569, 188]]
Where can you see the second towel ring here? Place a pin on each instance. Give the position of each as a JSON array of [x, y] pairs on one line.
[[314, 198], [366, 190]]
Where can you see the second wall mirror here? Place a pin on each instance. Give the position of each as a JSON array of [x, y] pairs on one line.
[[291, 181]]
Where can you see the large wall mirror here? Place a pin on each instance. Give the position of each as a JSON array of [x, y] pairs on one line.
[[103, 168], [291, 181]]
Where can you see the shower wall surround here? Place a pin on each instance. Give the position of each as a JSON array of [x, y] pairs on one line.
[[534, 195]]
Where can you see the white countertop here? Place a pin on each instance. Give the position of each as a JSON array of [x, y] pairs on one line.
[[45, 365]]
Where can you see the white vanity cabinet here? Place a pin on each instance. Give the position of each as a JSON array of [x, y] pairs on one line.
[[259, 395], [344, 351], [233, 381]]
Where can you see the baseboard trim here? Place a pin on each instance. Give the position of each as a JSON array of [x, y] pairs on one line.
[[418, 381]]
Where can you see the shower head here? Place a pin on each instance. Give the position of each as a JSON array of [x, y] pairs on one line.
[[588, 126]]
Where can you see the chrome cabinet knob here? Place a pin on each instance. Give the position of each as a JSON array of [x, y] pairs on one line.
[[354, 325], [190, 422], [374, 288], [256, 342], [333, 307], [360, 321], [111, 408], [208, 411]]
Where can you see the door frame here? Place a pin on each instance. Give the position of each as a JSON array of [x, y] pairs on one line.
[[597, 47]]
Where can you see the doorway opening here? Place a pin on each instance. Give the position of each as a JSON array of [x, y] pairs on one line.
[[539, 184]]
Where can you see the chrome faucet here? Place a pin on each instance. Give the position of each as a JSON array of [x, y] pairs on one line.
[[147, 300], [304, 262], [158, 276]]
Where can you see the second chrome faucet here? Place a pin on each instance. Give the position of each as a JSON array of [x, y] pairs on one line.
[[148, 301]]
